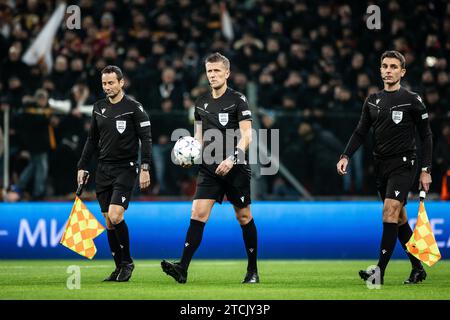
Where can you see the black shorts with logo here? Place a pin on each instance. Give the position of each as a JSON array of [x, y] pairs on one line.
[[235, 185], [395, 177], [114, 184]]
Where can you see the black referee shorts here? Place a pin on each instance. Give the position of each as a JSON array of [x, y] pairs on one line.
[[115, 183], [235, 185], [395, 177]]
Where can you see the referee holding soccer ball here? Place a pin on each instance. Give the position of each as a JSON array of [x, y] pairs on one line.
[[219, 110], [118, 124]]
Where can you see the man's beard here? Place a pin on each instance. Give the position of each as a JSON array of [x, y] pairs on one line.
[[113, 95]]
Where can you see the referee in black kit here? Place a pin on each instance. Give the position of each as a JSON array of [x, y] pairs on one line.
[[118, 123], [221, 109], [394, 114]]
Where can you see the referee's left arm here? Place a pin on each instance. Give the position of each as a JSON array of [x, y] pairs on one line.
[[245, 126], [143, 129], [90, 147], [244, 116], [424, 130], [423, 127], [91, 144]]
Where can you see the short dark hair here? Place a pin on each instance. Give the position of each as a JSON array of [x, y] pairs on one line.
[[394, 54], [217, 57], [113, 69]]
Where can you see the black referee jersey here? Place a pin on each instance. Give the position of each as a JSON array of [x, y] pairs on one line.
[[394, 116], [115, 132], [221, 114]]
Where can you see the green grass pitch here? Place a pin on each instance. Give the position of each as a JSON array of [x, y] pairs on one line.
[[219, 280]]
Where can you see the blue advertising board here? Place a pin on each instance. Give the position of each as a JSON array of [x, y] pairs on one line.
[[286, 230]]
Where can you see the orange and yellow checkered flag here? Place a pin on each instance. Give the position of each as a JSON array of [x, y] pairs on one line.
[[422, 244], [81, 229]]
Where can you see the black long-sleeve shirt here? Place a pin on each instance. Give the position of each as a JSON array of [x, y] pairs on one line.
[[394, 116], [116, 130], [222, 114]]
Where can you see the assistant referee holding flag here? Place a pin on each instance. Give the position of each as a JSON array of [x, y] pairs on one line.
[[394, 114], [221, 109], [118, 123]]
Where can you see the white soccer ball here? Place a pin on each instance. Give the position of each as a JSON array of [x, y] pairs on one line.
[[187, 150]]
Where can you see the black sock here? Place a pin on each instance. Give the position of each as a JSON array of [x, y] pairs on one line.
[[114, 245], [404, 234], [250, 239], [124, 240], [193, 238], [390, 231]]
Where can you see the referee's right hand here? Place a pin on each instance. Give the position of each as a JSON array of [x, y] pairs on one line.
[[80, 177], [342, 166]]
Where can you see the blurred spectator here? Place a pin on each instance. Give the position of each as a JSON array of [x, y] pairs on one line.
[[322, 149], [61, 77], [169, 89], [442, 150], [442, 155], [436, 107], [163, 124], [13, 66], [38, 139]]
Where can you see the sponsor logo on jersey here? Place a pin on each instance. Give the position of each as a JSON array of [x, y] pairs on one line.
[[145, 124], [205, 105], [376, 101], [223, 118], [141, 108], [397, 116], [424, 116], [419, 98], [243, 98], [121, 125], [246, 113], [103, 110]]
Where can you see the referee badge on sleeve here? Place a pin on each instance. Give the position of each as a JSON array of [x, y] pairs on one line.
[[223, 118], [397, 116], [121, 125]]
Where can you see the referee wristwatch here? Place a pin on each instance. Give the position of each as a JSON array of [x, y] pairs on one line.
[[238, 157], [145, 167], [426, 169]]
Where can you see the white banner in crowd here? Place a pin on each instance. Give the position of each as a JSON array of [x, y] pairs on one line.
[[42, 45]]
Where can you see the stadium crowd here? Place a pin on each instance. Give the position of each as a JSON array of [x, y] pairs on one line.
[[312, 64]]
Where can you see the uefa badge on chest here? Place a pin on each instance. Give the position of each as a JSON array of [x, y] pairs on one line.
[[121, 125], [397, 116], [223, 118]]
